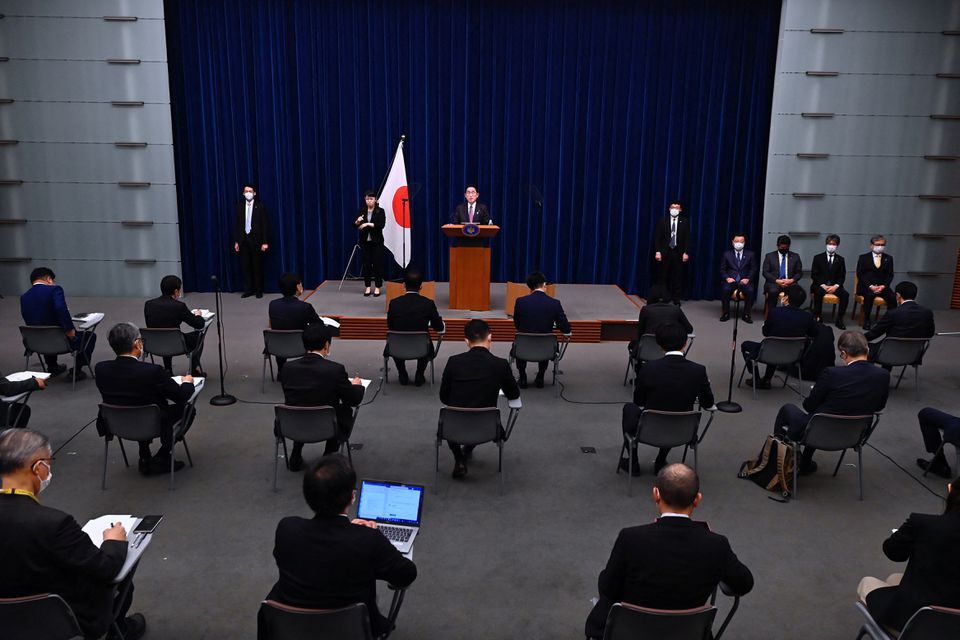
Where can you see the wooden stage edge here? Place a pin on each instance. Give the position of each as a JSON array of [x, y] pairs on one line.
[[584, 331]]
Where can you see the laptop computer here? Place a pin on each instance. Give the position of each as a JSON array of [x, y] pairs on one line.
[[395, 507]]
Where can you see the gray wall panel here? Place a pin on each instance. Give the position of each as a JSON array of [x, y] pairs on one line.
[[855, 52], [83, 8], [89, 202], [863, 135], [93, 278], [83, 81], [45, 241], [85, 122], [43, 38], [873, 15], [887, 175], [860, 214], [70, 162], [881, 93]]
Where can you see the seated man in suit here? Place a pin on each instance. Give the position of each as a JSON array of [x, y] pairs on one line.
[[329, 561], [538, 313], [738, 269], [671, 383], [18, 414], [932, 422], [316, 381], [827, 274], [907, 320], [43, 550], [781, 268], [658, 311], [413, 312], [290, 313], [674, 563], [470, 211], [874, 275], [129, 382], [474, 380], [43, 305], [855, 389], [167, 312], [788, 321]]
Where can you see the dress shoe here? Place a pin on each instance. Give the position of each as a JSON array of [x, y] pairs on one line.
[[376, 293], [763, 384], [468, 451], [935, 467], [132, 627], [523, 382], [419, 379], [366, 294], [158, 466], [459, 470], [538, 382], [259, 295], [403, 376], [625, 466], [724, 317], [807, 469], [746, 318], [295, 463], [144, 466], [839, 324], [247, 294], [80, 375], [56, 370]]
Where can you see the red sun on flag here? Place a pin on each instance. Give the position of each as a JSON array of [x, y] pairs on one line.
[[401, 212]]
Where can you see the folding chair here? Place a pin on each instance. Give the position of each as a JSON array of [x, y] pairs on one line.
[[829, 432], [663, 429], [165, 343], [45, 615], [49, 341], [903, 352], [858, 300], [470, 427], [282, 622], [410, 345], [541, 347], [307, 425], [279, 344], [143, 422], [777, 352], [928, 623], [648, 350]]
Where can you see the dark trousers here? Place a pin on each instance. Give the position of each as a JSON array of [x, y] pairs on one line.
[[727, 290], [251, 262], [750, 351], [887, 295], [372, 262], [671, 272], [631, 416], [85, 339], [932, 422], [14, 415], [421, 365], [344, 429], [192, 341], [541, 368], [792, 421], [841, 294], [170, 415]]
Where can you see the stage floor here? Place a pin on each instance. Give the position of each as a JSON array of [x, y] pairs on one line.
[[597, 312]]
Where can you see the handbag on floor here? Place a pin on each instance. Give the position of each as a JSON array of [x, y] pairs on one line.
[[773, 468]]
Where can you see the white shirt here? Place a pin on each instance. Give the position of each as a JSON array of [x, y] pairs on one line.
[[249, 217], [674, 515], [673, 353]]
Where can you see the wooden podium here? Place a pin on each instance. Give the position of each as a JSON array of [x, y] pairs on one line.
[[469, 265]]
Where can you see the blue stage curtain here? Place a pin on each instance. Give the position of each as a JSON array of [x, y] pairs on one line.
[[610, 109]]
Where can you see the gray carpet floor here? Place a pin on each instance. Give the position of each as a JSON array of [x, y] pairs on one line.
[[522, 565]]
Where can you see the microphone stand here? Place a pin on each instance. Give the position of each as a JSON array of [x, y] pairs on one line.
[[224, 399], [728, 405]]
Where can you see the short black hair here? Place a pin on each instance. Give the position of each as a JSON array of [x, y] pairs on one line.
[[328, 485], [671, 336], [657, 293], [833, 238], [907, 290], [674, 202], [535, 280], [169, 284], [412, 279], [316, 337], [288, 283], [784, 239], [796, 294], [739, 234], [471, 185], [678, 485], [369, 194], [40, 273], [476, 330], [249, 184]]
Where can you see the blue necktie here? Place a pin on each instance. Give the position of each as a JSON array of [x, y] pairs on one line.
[[783, 266]]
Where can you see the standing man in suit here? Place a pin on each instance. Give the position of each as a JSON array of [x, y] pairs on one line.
[[474, 380], [43, 550], [471, 211], [290, 313], [671, 383], [43, 305], [537, 313], [316, 381], [371, 219], [671, 242], [251, 238], [167, 312], [674, 563], [827, 273], [788, 321], [781, 268], [855, 389], [738, 268], [907, 320], [413, 312], [330, 561], [129, 382], [874, 275]]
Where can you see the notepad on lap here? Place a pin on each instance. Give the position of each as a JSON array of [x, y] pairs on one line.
[[26, 375], [95, 528]]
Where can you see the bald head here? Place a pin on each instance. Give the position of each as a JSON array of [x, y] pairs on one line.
[[677, 487]]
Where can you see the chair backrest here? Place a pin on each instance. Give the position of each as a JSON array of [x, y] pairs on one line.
[[284, 344], [781, 351], [932, 623], [46, 340], [835, 433], [45, 615], [630, 622], [649, 349], [900, 352], [469, 426], [668, 428], [535, 347], [164, 342], [306, 424], [408, 345], [278, 621], [139, 423]]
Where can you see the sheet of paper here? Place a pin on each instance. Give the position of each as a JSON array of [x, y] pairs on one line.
[[206, 314], [95, 528], [330, 322], [26, 375], [90, 320], [197, 386], [365, 382]]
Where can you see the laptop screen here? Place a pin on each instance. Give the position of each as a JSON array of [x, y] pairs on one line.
[[390, 502]]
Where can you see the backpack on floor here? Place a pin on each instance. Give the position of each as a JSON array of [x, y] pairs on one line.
[[773, 468]]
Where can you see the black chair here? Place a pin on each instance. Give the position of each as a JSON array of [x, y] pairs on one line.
[[49, 341], [278, 621], [139, 423], [470, 427], [830, 432], [165, 343], [541, 347], [928, 623], [45, 616], [648, 350], [903, 352], [307, 425], [630, 622], [410, 345], [777, 352], [280, 344], [664, 429]]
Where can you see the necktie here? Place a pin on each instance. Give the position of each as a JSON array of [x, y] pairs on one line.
[[673, 233], [471, 213], [783, 266], [738, 257], [249, 217], [876, 260], [830, 260]]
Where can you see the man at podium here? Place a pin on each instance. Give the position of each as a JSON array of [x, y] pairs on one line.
[[471, 211]]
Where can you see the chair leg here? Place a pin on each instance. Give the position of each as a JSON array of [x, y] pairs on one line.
[[103, 481], [627, 372], [800, 381], [433, 374], [74, 372], [623, 447], [186, 450], [346, 443], [276, 462], [500, 465], [263, 375], [695, 458], [916, 379], [124, 452], [742, 373], [796, 465], [900, 377], [270, 364], [436, 467], [756, 372], [172, 461], [860, 469], [630, 469], [386, 370]]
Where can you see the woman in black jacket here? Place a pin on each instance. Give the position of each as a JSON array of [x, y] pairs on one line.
[[370, 222]]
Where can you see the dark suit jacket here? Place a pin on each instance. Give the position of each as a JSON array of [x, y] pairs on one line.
[[674, 563], [909, 320], [314, 381], [289, 313], [43, 305], [128, 382], [481, 215], [661, 236], [166, 313], [413, 312], [672, 383], [823, 273], [379, 220], [43, 550], [771, 269], [746, 268], [868, 273], [474, 380], [538, 313], [259, 223], [789, 322], [658, 313], [856, 389], [930, 544], [327, 563]]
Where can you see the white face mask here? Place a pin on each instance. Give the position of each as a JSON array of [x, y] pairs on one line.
[[45, 482], [831, 249], [248, 196], [878, 248], [738, 246], [674, 212]]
